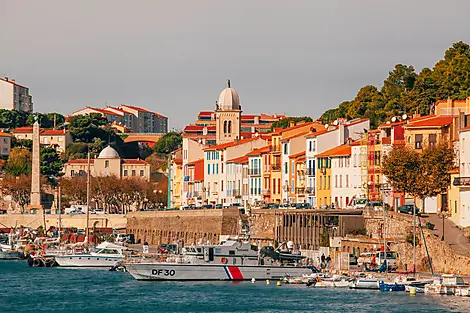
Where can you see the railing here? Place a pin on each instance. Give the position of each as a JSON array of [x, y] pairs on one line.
[[277, 167], [266, 191], [310, 190], [276, 148], [300, 190], [254, 171], [461, 181], [310, 171]]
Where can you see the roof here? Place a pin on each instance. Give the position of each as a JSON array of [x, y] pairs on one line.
[[295, 136], [242, 159], [355, 121], [54, 132], [386, 140], [389, 124], [432, 121], [198, 128], [296, 155], [2, 134], [12, 82], [134, 161], [323, 131], [80, 161], [205, 113], [178, 160], [259, 151], [230, 144], [301, 124], [454, 171], [23, 130], [195, 162], [336, 151], [355, 143], [141, 110]]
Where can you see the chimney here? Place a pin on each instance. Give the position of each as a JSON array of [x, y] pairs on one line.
[[6, 78], [341, 134], [236, 141], [461, 120], [292, 124]]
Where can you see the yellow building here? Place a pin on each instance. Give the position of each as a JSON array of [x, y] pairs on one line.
[[453, 195], [323, 180], [176, 177], [297, 162]]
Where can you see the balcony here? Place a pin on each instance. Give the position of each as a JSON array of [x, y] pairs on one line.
[[310, 171], [266, 191], [276, 148], [254, 171], [310, 191], [461, 181], [276, 168], [234, 193], [300, 190]]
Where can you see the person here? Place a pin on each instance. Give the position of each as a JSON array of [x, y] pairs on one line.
[[328, 261], [146, 247], [323, 260]]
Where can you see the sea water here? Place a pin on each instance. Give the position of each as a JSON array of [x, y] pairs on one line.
[[25, 289]]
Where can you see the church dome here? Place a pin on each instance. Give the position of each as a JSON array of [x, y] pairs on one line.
[[109, 153], [228, 99]]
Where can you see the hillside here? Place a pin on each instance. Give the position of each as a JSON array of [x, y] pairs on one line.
[[405, 91]]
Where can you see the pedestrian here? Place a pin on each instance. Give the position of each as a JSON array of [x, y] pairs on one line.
[[146, 247], [323, 260], [328, 261]]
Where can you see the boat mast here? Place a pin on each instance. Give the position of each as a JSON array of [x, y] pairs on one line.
[[385, 240], [414, 239], [88, 199], [60, 208]]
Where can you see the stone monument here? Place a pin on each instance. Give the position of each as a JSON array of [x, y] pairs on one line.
[[36, 171]]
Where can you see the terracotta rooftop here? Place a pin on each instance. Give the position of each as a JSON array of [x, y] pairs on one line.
[[12, 82], [54, 132], [230, 144], [296, 155], [242, 159], [432, 121], [295, 136], [259, 151], [134, 161], [23, 130], [320, 132], [195, 162], [2, 134], [336, 151], [299, 125]]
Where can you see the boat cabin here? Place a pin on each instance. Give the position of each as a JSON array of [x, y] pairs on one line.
[[230, 252]]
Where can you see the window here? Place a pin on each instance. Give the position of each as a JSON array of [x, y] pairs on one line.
[[455, 206], [286, 148], [133, 172], [208, 156], [347, 183], [293, 168], [222, 185], [418, 141], [217, 168], [286, 169], [340, 181], [72, 173], [321, 179], [292, 187], [125, 172], [106, 164], [432, 139], [336, 181], [141, 172], [329, 186], [208, 169], [59, 139]]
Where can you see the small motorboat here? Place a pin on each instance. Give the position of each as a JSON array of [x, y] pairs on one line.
[[364, 283], [105, 255], [387, 287], [448, 284], [11, 255]]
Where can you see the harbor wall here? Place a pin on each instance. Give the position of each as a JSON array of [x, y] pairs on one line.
[[67, 221], [189, 226]]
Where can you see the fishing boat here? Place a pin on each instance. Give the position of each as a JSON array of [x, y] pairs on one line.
[[462, 291], [388, 287], [229, 260], [105, 254], [445, 285]]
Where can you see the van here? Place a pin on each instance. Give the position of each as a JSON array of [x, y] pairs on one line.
[[359, 203], [392, 257]]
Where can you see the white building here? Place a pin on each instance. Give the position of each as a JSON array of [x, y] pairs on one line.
[[14, 96], [462, 216], [5, 144]]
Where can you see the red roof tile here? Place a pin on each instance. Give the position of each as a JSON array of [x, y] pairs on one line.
[[2, 134], [242, 159], [23, 130], [435, 121], [12, 82], [336, 151], [230, 144], [53, 132], [295, 136], [280, 131], [259, 151], [134, 161], [296, 155], [195, 162], [320, 132]]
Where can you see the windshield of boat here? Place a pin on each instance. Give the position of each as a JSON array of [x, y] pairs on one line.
[[108, 251]]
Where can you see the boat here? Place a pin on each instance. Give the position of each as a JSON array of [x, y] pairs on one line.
[[11, 255], [370, 283], [387, 287], [105, 254], [462, 291], [336, 281], [445, 285], [229, 260]]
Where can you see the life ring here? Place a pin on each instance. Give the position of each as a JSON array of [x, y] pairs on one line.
[[223, 260]]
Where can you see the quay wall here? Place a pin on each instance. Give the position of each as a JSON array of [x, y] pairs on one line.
[[189, 226], [67, 221]]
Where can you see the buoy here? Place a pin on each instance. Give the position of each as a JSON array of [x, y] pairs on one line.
[[296, 282], [278, 283], [253, 280], [268, 281], [412, 291]]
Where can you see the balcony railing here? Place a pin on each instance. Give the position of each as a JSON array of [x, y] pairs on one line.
[[266, 191], [276, 148], [276, 167], [310, 190], [300, 190], [461, 181], [310, 171], [254, 171]]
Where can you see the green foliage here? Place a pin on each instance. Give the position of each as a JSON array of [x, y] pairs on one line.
[[168, 143], [14, 119], [405, 91], [19, 162], [51, 164], [89, 127], [45, 120], [76, 150], [22, 143], [285, 122]]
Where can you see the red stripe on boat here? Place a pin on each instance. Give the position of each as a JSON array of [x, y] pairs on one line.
[[235, 272]]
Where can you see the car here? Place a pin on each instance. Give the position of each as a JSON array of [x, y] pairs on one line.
[[408, 209], [303, 206], [208, 206], [324, 206], [375, 205], [76, 212], [218, 206], [167, 248], [272, 206]]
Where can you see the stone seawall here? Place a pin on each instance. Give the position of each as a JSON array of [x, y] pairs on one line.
[[67, 221], [399, 228], [191, 226]]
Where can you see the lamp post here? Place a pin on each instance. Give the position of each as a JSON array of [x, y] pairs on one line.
[[443, 213]]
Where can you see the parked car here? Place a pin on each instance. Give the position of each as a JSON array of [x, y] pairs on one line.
[[303, 206], [272, 206], [218, 206], [375, 205], [408, 209], [76, 212], [167, 248]]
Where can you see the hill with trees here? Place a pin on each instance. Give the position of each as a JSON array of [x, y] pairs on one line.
[[405, 91]]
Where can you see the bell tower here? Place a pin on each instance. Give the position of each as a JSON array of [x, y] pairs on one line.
[[228, 116]]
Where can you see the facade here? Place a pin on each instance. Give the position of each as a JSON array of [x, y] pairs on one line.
[[5, 144], [259, 180], [459, 206], [14, 96], [238, 180], [59, 139], [195, 183], [109, 163], [135, 119], [176, 177], [193, 151]]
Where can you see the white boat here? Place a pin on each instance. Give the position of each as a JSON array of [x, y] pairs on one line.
[[231, 260], [105, 255], [365, 283], [445, 285], [463, 291], [335, 281]]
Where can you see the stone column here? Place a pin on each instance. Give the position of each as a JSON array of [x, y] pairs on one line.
[[36, 170]]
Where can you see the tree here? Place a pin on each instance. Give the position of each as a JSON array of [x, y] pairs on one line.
[[51, 164], [420, 174], [168, 143], [86, 128], [285, 122], [19, 188], [19, 162], [158, 163], [74, 188], [76, 150]]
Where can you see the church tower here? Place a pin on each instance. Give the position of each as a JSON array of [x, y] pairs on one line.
[[228, 116]]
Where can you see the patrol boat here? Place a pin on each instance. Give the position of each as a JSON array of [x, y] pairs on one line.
[[230, 260]]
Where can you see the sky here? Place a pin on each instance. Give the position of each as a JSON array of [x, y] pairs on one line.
[[174, 57]]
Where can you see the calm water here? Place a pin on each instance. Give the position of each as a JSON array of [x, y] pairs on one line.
[[24, 289]]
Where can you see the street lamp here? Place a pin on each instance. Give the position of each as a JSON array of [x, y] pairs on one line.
[[443, 213]]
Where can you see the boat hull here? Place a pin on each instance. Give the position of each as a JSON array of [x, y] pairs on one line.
[[391, 287], [371, 284], [169, 271], [11, 255], [87, 261]]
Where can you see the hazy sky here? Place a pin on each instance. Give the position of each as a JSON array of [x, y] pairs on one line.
[[174, 57]]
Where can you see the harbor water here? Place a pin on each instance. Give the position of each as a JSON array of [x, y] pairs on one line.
[[25, 289]]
